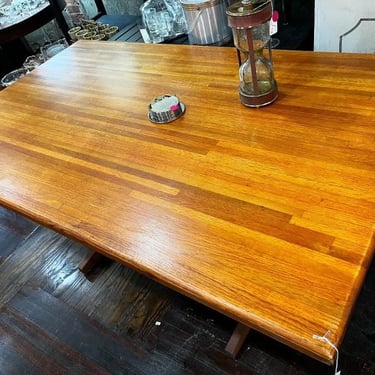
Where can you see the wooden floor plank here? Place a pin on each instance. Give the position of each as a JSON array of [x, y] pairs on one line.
[[12, 362], [51, 333], [13, 230], [142, 300], [38, 257], [40, 351]]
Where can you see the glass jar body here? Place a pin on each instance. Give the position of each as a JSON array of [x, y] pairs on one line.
[[163, 19], [263, 76]]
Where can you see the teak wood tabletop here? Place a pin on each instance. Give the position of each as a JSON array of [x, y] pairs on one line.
[[266, 215]]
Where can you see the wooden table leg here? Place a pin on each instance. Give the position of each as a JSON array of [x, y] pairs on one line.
[[89, 262], [237, 339]]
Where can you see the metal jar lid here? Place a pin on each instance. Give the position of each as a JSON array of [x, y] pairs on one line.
[[246, 13], [165, 108]]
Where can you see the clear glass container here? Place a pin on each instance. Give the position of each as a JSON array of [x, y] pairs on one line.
[[13, 76], [263, 68], [163, 19]]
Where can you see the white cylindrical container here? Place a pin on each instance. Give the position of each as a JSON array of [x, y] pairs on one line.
[[207, 21]]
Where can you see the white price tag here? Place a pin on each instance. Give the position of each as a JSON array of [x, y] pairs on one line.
[[273, 22]]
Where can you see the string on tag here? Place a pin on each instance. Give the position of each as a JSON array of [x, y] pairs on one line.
[[325, 339]]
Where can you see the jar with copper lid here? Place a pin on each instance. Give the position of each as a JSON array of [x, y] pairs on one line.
[[249, 20]]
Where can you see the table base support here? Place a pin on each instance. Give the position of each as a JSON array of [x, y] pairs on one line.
[[89, 262], [237, 339]]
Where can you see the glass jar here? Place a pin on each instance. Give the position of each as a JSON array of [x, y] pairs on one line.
[[163, 19]]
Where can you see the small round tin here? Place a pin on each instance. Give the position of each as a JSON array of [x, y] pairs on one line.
[[165, 108]]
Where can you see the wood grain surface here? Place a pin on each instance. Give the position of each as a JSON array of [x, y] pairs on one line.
[[266, 215]]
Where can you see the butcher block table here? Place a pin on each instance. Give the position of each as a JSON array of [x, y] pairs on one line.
[[265, 215]]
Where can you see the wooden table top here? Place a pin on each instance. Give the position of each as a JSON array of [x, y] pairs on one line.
[[266, 215]]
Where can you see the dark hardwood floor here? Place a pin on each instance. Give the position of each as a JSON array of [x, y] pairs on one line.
[[53, 320]]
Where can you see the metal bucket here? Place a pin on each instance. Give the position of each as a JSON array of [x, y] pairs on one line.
[[206, 21]]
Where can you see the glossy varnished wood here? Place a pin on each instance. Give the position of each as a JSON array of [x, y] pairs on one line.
[[189, 339], [264, 215]]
